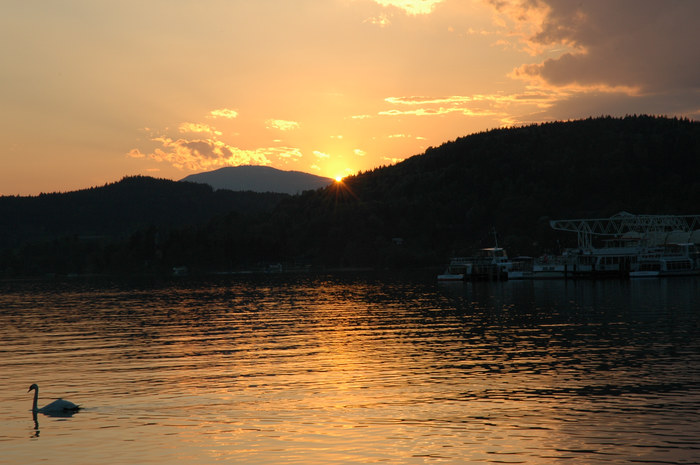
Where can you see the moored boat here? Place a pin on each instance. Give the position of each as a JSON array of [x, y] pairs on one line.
[[670, 260], [632, 245], [552, 266], [521, 268], [455, 271], [489, 264]]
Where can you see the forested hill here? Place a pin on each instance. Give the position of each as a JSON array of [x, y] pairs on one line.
[[419, 212], [580, 168], [511, 179], [120, 208], [448, 200]]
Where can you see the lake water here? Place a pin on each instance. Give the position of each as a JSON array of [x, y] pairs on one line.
[[364, 368]]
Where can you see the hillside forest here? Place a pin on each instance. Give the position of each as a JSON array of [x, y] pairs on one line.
[[447, 201]]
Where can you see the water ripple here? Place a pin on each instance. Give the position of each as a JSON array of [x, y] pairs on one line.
[[354, 369]]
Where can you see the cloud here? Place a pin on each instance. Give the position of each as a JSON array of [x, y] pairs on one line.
[[281, 124], [424, 112], [477, 105], [136, 153], [203, 154], [413, 100], [459, 100], [629, 46], [359, 152], [412, 7], [508, 109], [585, 104], [224, 113], [285, 153], [474, 105], [321, 154], [198, 128], [206, 154], [202, 148], [381, 21]]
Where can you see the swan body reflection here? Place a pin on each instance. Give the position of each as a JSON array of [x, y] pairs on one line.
[[58, 407]]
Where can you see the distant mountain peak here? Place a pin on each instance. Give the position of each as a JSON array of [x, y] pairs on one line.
[[259, 179]]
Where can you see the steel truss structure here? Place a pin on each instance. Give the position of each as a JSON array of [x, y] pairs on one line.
[[625, 223]]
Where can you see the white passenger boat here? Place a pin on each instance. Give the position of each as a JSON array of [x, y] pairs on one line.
[[670, 260], [632, 245], [552, 266], [614, 259], [489, 263], [521, 268], [455, 271]]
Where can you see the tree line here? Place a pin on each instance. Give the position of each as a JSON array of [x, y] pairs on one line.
[[444, 202]]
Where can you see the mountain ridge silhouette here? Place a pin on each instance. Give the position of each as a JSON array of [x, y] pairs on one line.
[[258, 178]]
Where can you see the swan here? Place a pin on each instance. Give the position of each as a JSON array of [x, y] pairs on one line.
[[57, 407]]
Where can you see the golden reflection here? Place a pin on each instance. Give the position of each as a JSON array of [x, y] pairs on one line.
[[360, 370]]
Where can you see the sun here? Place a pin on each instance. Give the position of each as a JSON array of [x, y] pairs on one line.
[[338, 178]]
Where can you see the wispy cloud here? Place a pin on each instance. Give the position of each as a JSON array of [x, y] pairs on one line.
[[439, 111], [208, 154], [500, 105], [202, 154], [286, 153], [321, 155], [412, 7], [381, 20], [282, 125], [136, 153], [405, 136], [462, 100], [413, 100], [202, 146], [198, 128], [393, 161], [223, 113]]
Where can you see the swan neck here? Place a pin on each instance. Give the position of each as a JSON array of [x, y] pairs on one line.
[[36, 399]]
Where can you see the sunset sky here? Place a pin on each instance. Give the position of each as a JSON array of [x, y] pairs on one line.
[[93, 90]]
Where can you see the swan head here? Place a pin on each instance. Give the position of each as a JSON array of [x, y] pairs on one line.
[[33, 387]]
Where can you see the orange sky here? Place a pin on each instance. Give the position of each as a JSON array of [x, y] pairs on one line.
[[91, 91]]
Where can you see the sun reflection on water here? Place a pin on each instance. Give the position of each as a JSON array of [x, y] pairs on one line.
[[322, 369]]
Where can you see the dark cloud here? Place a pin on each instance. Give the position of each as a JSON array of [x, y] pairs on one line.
[[206, 149], [586, 104], [648, 45]]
